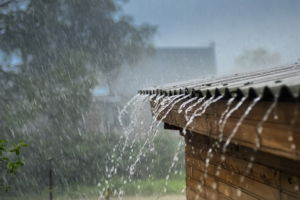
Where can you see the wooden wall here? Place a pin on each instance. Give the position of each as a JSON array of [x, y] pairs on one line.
[[231, 175], [274, 173], [275, 132]]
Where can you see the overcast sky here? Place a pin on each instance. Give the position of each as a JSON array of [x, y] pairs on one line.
[[234, 25]]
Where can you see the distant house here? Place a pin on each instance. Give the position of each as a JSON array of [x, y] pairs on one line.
[[166, 65]]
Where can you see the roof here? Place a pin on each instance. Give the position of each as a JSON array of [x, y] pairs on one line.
[[281, 82]]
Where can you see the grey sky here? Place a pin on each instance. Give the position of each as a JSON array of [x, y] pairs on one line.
[[234, 25]]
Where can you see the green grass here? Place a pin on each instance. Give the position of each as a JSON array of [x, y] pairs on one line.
[[146, 187], [149, 187]]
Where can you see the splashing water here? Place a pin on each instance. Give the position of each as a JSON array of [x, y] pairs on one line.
[[164, 104], [135, 98], [225, 112], [260, 124], [228, 115], [185, 103], [165, 115], [175, 159], [217, 144], [206, 106], [175, 102], [138, 103], [153, 130], [138, 108], [154, 127], [191, 107], [190, 120], [239, 123], [207, 160], [293, 121], [203, 107], [229, 102]]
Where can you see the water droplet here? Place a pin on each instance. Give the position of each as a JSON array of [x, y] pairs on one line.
[[290, 138], [207, 163], [296, 188], [199, 187], [238, 192], [275, 117], [214, 185], [242, 179], [165, 189], [293, 146], [223, 158]]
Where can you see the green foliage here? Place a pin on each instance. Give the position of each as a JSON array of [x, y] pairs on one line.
[[259, 57], [8, 162], [98, 158], [163, 152]]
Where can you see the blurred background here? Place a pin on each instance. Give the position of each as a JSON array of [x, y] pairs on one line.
[[68, 68]]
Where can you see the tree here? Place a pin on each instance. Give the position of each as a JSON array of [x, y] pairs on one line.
[[259, 57], [6, 161], [62, 47]]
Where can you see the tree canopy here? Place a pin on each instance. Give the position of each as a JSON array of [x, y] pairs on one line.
[[259, 57], [51, 53]]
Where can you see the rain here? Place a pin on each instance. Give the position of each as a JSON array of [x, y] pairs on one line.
[[140, 99]]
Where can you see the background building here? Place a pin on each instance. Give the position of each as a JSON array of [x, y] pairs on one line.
[[165, 65]]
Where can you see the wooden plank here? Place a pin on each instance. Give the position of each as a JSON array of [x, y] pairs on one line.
[[188, 170], [285, 196], [252, 186], [249, 185], [195, 140], [194, 163], [202, 190], [274, 137], [195, 186], [217, 184], [223, 197], [211, 194], [234, 192], [191, 195], [257, 172], [290, 184], [283, 115]]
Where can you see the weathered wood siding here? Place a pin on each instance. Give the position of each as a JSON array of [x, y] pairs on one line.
[[275, 172], [232, 175], [275, 132]]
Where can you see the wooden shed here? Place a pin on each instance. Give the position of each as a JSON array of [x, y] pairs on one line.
[[242, 133]]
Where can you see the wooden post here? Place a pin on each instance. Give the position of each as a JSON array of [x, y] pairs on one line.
[[50, 179]]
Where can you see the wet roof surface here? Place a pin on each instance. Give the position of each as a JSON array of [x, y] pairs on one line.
[[282, 83]]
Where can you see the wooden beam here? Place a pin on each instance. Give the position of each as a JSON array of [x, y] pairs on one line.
[[171, 127]]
